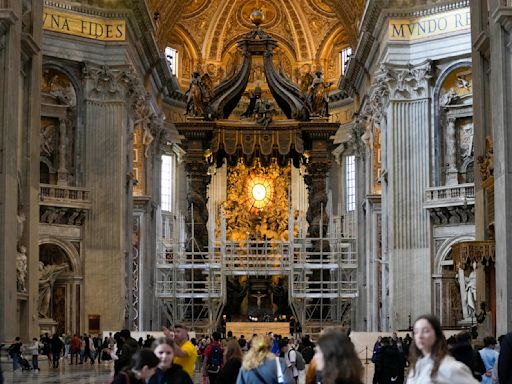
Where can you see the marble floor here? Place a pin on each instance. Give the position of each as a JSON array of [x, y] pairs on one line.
[[85, 374]]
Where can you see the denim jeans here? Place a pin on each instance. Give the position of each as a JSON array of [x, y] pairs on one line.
[[15, 361], [35, 362]]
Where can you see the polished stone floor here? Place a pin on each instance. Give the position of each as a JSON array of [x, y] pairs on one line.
[[84, 374]]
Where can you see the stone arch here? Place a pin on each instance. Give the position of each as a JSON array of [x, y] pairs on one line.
[[445, 249], [69, 250], [436, 115]]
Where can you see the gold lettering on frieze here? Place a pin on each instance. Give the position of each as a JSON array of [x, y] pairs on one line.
[[84, 26], [429, 26]]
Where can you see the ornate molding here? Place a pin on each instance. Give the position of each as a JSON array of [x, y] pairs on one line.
[[452, 215], [110, 83], [407, 82], [480, 251]]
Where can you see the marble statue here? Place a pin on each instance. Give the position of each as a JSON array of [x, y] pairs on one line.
[[470, 296], [318, 97], [468, 293], [21, 269], [47, 276]]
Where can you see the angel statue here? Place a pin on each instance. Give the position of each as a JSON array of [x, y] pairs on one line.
[[318, 97], [47, 276], [199, 94]]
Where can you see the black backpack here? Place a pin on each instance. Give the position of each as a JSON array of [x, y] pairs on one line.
[[308, 353], [215, 358]]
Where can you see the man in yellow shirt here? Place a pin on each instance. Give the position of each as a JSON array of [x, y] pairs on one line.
[[186, 354]]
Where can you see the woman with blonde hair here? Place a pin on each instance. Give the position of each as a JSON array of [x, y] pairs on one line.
[[233, 356], [260, 366]]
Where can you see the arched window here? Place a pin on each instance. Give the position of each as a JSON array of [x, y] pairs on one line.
[[344, 58], [171, 55]]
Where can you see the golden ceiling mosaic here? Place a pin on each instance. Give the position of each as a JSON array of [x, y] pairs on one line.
[[310, 33]]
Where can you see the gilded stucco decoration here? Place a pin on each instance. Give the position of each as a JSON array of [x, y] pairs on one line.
[[205, 33], [245, 217]]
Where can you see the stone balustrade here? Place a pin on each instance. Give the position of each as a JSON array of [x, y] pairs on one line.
[[65, 196], [450, 195]]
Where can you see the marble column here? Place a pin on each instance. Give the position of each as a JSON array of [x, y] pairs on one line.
[[108, 229], [451, 152], [62, 172], [406, 250], [197, 184], [20, 74], [500, 32]]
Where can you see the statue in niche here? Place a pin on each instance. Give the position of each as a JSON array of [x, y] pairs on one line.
[[318, 97], [198, 94], [447, 97], [47, 276], [468, 292], [466, 141], [48, 140], [21, 269]]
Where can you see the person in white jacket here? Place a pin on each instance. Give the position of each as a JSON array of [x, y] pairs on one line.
[[429, 361]]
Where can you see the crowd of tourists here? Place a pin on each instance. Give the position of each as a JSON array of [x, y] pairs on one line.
[[425, 358]]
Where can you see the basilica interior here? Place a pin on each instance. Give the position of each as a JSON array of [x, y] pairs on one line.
[[211, 161]]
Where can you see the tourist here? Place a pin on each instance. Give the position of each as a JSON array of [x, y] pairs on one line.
[[56, 345], [429, 361], [213, 359], [186, 354], [336, 359], [261, 366], [504, 366], [15, 353], [233, 356], [290, 358], [34, 351], [390, 364], [47, 349], [143, 366], [489, 357], [127, 350], [74, 348], [461, 349], [168, 372]]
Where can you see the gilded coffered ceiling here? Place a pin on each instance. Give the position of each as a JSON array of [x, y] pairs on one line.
[[310, 33]]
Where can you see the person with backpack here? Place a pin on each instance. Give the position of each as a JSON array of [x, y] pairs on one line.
[[15, 353], [213, 358], [294, 360]]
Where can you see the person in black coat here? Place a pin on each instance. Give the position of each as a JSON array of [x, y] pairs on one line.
[[167, 372], [389, 364], [233, 356], [461, 349], [56, 345], [142, 368], [504, 366]]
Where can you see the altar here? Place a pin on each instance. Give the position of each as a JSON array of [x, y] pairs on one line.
[[260, 328]]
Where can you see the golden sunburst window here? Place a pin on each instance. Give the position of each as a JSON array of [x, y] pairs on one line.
[[259, 190]]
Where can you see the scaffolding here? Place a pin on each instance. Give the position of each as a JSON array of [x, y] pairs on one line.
[[321, 272]]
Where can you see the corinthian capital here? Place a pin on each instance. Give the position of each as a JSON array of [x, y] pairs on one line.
[[406, 82], [110, 82]]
